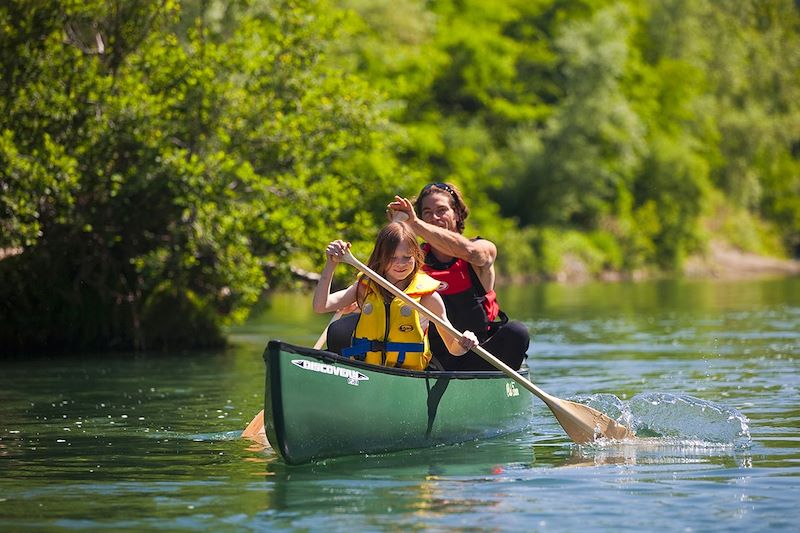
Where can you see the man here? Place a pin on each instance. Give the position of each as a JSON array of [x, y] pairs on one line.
[[465, 268]]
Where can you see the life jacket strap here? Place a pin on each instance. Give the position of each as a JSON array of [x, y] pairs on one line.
[[361, 346]]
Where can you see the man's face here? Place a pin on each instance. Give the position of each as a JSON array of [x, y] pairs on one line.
[[436, 210]]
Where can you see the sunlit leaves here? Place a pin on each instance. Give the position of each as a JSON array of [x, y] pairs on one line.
[[199, 151]]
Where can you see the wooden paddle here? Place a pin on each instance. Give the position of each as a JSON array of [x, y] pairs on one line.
[[255, 429], [582, 423]]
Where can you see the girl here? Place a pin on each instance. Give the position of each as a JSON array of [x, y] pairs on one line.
[[389, 332]]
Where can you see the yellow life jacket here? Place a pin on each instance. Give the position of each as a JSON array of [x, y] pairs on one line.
[[397, 340]]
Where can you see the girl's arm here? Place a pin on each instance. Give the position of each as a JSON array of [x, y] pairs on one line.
[[324, 301], [455, 345]]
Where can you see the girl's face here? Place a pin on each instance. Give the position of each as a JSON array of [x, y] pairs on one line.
[[436, 210], [401, 264]]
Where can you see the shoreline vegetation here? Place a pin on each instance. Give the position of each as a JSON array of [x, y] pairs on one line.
[[721, 261], [163, 165]]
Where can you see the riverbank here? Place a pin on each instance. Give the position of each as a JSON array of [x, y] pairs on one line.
[[720, 261], [724, 261]]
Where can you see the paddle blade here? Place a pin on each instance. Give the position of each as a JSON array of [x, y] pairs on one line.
[[255, 429], [585, 424]]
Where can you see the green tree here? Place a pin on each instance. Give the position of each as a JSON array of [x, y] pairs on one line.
[[154, 182]]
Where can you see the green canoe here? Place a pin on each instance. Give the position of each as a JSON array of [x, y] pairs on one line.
[[319, 405]]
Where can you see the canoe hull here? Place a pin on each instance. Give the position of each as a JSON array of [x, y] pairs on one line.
[[319, 405]]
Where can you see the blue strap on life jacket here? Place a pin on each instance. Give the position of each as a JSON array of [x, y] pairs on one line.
[[358, 347], [361, 346]]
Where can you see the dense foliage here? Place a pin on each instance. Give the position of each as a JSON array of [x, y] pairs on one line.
[[163, 163]]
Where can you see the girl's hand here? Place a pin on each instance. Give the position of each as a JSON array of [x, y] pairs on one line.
[[467, 341], [352, 308], [336, 250], [401, 210]]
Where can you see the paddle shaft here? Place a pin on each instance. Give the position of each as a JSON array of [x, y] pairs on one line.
[[336, 316], [581, 423], [491, 359]]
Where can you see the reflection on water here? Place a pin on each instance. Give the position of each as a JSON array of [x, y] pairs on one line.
[[661, 450], [418, 483], [706, 373]]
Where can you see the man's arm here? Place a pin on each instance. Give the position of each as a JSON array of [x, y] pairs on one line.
[[447, 244], [479, 253]]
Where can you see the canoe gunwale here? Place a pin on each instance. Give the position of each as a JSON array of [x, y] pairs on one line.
[[330, 357]]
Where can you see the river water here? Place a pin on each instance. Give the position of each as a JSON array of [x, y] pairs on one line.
[[705, 371]]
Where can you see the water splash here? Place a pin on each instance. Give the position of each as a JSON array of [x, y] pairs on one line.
[[686, 417], [676, 418]]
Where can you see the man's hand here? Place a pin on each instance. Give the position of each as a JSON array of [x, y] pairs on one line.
[[401, 210]]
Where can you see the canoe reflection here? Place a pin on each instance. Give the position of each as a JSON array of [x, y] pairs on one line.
[[407, 479]]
